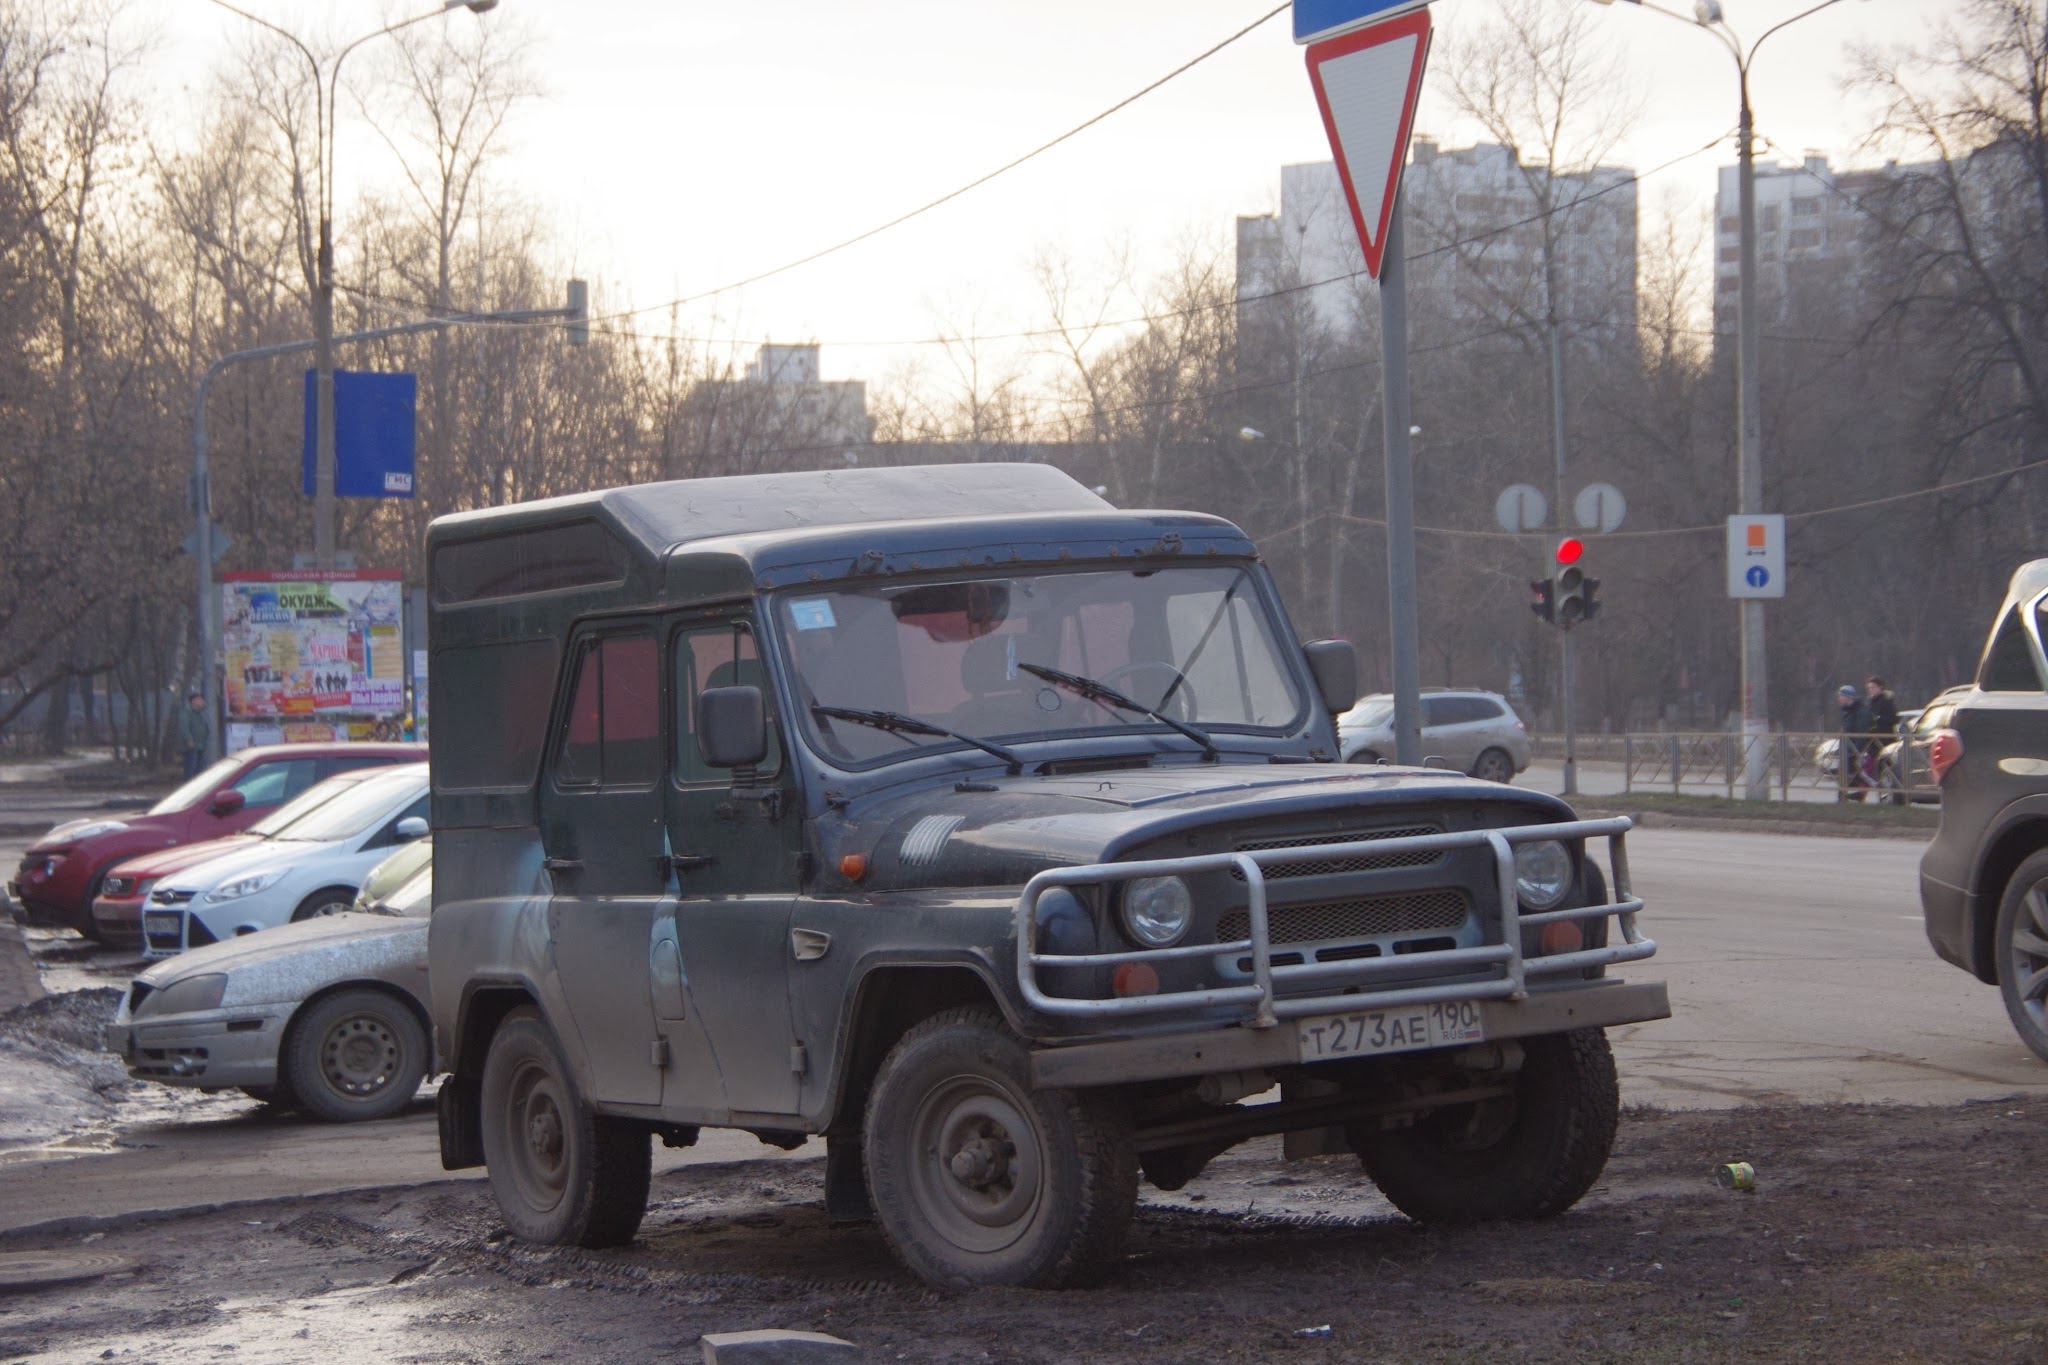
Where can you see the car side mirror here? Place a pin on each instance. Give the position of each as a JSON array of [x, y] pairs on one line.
[[1334, 665], [226, 803], [732, 726], [412, 827]]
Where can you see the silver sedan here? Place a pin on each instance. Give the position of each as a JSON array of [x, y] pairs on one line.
[[329, 1015]]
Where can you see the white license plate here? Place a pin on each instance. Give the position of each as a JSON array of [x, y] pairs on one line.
[[161, 924], [1409, 1028]]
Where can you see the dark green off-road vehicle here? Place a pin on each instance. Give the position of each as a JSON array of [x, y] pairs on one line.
[[998, 836]]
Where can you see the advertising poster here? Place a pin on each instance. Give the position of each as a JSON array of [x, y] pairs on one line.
[[310, 654]]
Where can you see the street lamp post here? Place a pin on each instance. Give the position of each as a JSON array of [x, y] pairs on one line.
[[1748, 359], [324, 119]]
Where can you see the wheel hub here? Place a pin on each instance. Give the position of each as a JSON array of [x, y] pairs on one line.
[[983, 1161], [360, 1056], [979, 1177], [544, 1133]]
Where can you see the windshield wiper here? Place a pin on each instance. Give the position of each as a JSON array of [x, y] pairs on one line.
[[892, 722], [1095, 691]]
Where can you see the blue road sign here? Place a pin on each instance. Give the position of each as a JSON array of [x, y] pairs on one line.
[[1316, 19], [373, 434], [1758, 576]]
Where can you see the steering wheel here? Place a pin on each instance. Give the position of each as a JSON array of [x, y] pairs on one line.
[[1181, 705]]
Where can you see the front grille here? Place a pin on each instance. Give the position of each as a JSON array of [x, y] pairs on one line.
[[1330, 867], [168, 896], [1373, 917]]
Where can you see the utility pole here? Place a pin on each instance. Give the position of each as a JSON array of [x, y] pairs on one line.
[[1404, 630]]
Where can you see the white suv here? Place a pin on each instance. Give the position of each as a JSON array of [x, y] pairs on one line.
[[1475, 732]]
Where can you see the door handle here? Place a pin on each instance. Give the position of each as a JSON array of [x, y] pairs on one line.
[[685, 862], [562, 864]]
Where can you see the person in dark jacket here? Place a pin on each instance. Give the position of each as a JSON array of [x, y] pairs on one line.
[[1851, 753], [192, 733], [1884, 710]]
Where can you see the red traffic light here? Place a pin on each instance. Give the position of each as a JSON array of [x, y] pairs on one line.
[[1569, 549]]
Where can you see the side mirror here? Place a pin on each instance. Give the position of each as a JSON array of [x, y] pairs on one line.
[[732, 726], [226, 803], [410, 828], [1334, 664]]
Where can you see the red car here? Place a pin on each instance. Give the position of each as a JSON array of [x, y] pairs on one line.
[[61, 874]]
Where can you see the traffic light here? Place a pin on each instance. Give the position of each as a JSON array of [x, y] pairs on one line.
[[1543, 598], [1572, 595], [1591, 587]]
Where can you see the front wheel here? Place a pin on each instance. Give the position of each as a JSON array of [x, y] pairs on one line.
[[563, 1174], [2020, 940], [978, 1179], [331, 901], [357, 1055], [1529, 1154]]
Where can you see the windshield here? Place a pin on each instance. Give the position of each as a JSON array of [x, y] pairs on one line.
[[1368, 714], [188, 795], [273, 824], [1194, 643], [356, 808]]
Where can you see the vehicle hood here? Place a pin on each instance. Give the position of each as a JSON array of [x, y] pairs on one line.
[[941, 836], [142, 831], [289, 947], [178, 857], [257, 857]]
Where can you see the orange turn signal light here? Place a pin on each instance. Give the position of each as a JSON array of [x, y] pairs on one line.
[[853, 866], [1562, 936], [1135, 978]]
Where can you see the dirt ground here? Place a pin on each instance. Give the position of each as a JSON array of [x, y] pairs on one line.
[[1872, 1234]]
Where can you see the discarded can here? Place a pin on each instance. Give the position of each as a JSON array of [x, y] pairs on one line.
[[1736, 1175]]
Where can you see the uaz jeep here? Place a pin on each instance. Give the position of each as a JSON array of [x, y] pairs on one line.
[[994, 834]]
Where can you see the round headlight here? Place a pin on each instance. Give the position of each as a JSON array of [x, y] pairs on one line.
[[1157, 911], [1543, 874]]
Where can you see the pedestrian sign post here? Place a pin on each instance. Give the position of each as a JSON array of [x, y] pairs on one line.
[[1756, 556]]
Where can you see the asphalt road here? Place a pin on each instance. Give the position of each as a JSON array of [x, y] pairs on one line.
[[1797, 967]]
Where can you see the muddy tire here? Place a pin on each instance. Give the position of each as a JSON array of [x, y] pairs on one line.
[[355, 1055], [2020, 944], [1531, 1154], [978, 1179], [563, 1174]]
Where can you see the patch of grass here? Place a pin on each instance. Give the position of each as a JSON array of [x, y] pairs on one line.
[[1859, 814]]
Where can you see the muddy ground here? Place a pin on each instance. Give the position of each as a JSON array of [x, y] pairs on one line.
[[1872, 1234]]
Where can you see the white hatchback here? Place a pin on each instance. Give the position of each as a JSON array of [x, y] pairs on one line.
[[312, 867]]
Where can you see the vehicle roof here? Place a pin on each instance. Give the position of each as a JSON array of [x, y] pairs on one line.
[[2028, 579], [330, 748]]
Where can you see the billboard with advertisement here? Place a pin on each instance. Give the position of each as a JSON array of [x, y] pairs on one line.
[[311, 654]]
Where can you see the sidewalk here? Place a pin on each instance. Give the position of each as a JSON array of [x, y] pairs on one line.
[[38, 793]]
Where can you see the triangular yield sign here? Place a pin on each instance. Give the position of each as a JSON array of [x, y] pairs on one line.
[[1366, 83]]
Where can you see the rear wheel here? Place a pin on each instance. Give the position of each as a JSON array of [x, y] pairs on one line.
[[977, 1178], [2020, 940], [563, 1174], [355, 1055], [1495, 766], [1363, 756], [1530, 1154]]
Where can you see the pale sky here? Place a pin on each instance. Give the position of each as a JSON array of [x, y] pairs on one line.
[[681, 146]]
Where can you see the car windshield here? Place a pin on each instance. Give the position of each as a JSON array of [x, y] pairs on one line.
[[1195, 643], [355, 809], [188, 795], [1368, 714], [307, 801]]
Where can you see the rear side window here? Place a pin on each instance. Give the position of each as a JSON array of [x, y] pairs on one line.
[[2009, 663], [490, 710], [612, 734], [267, 784]]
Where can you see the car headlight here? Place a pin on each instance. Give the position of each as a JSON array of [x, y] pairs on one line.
[[1157, 911], [243, 886], [189, 996], [117, 886], [1543, 874]]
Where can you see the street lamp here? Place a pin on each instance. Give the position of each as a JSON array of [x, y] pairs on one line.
[[323, 289], [1748, 407]]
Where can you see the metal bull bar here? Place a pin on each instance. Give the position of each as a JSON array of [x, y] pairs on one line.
[[1264, 1008]]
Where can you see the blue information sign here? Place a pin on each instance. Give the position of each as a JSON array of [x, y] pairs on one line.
[[1316, 19], [373, 434]]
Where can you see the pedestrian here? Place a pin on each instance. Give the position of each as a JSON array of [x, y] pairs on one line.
[[1884, 709], [192, 732], [1849, 749]]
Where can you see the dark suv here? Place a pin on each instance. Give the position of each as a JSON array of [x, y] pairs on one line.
[[1984, 879], [995, 834]]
